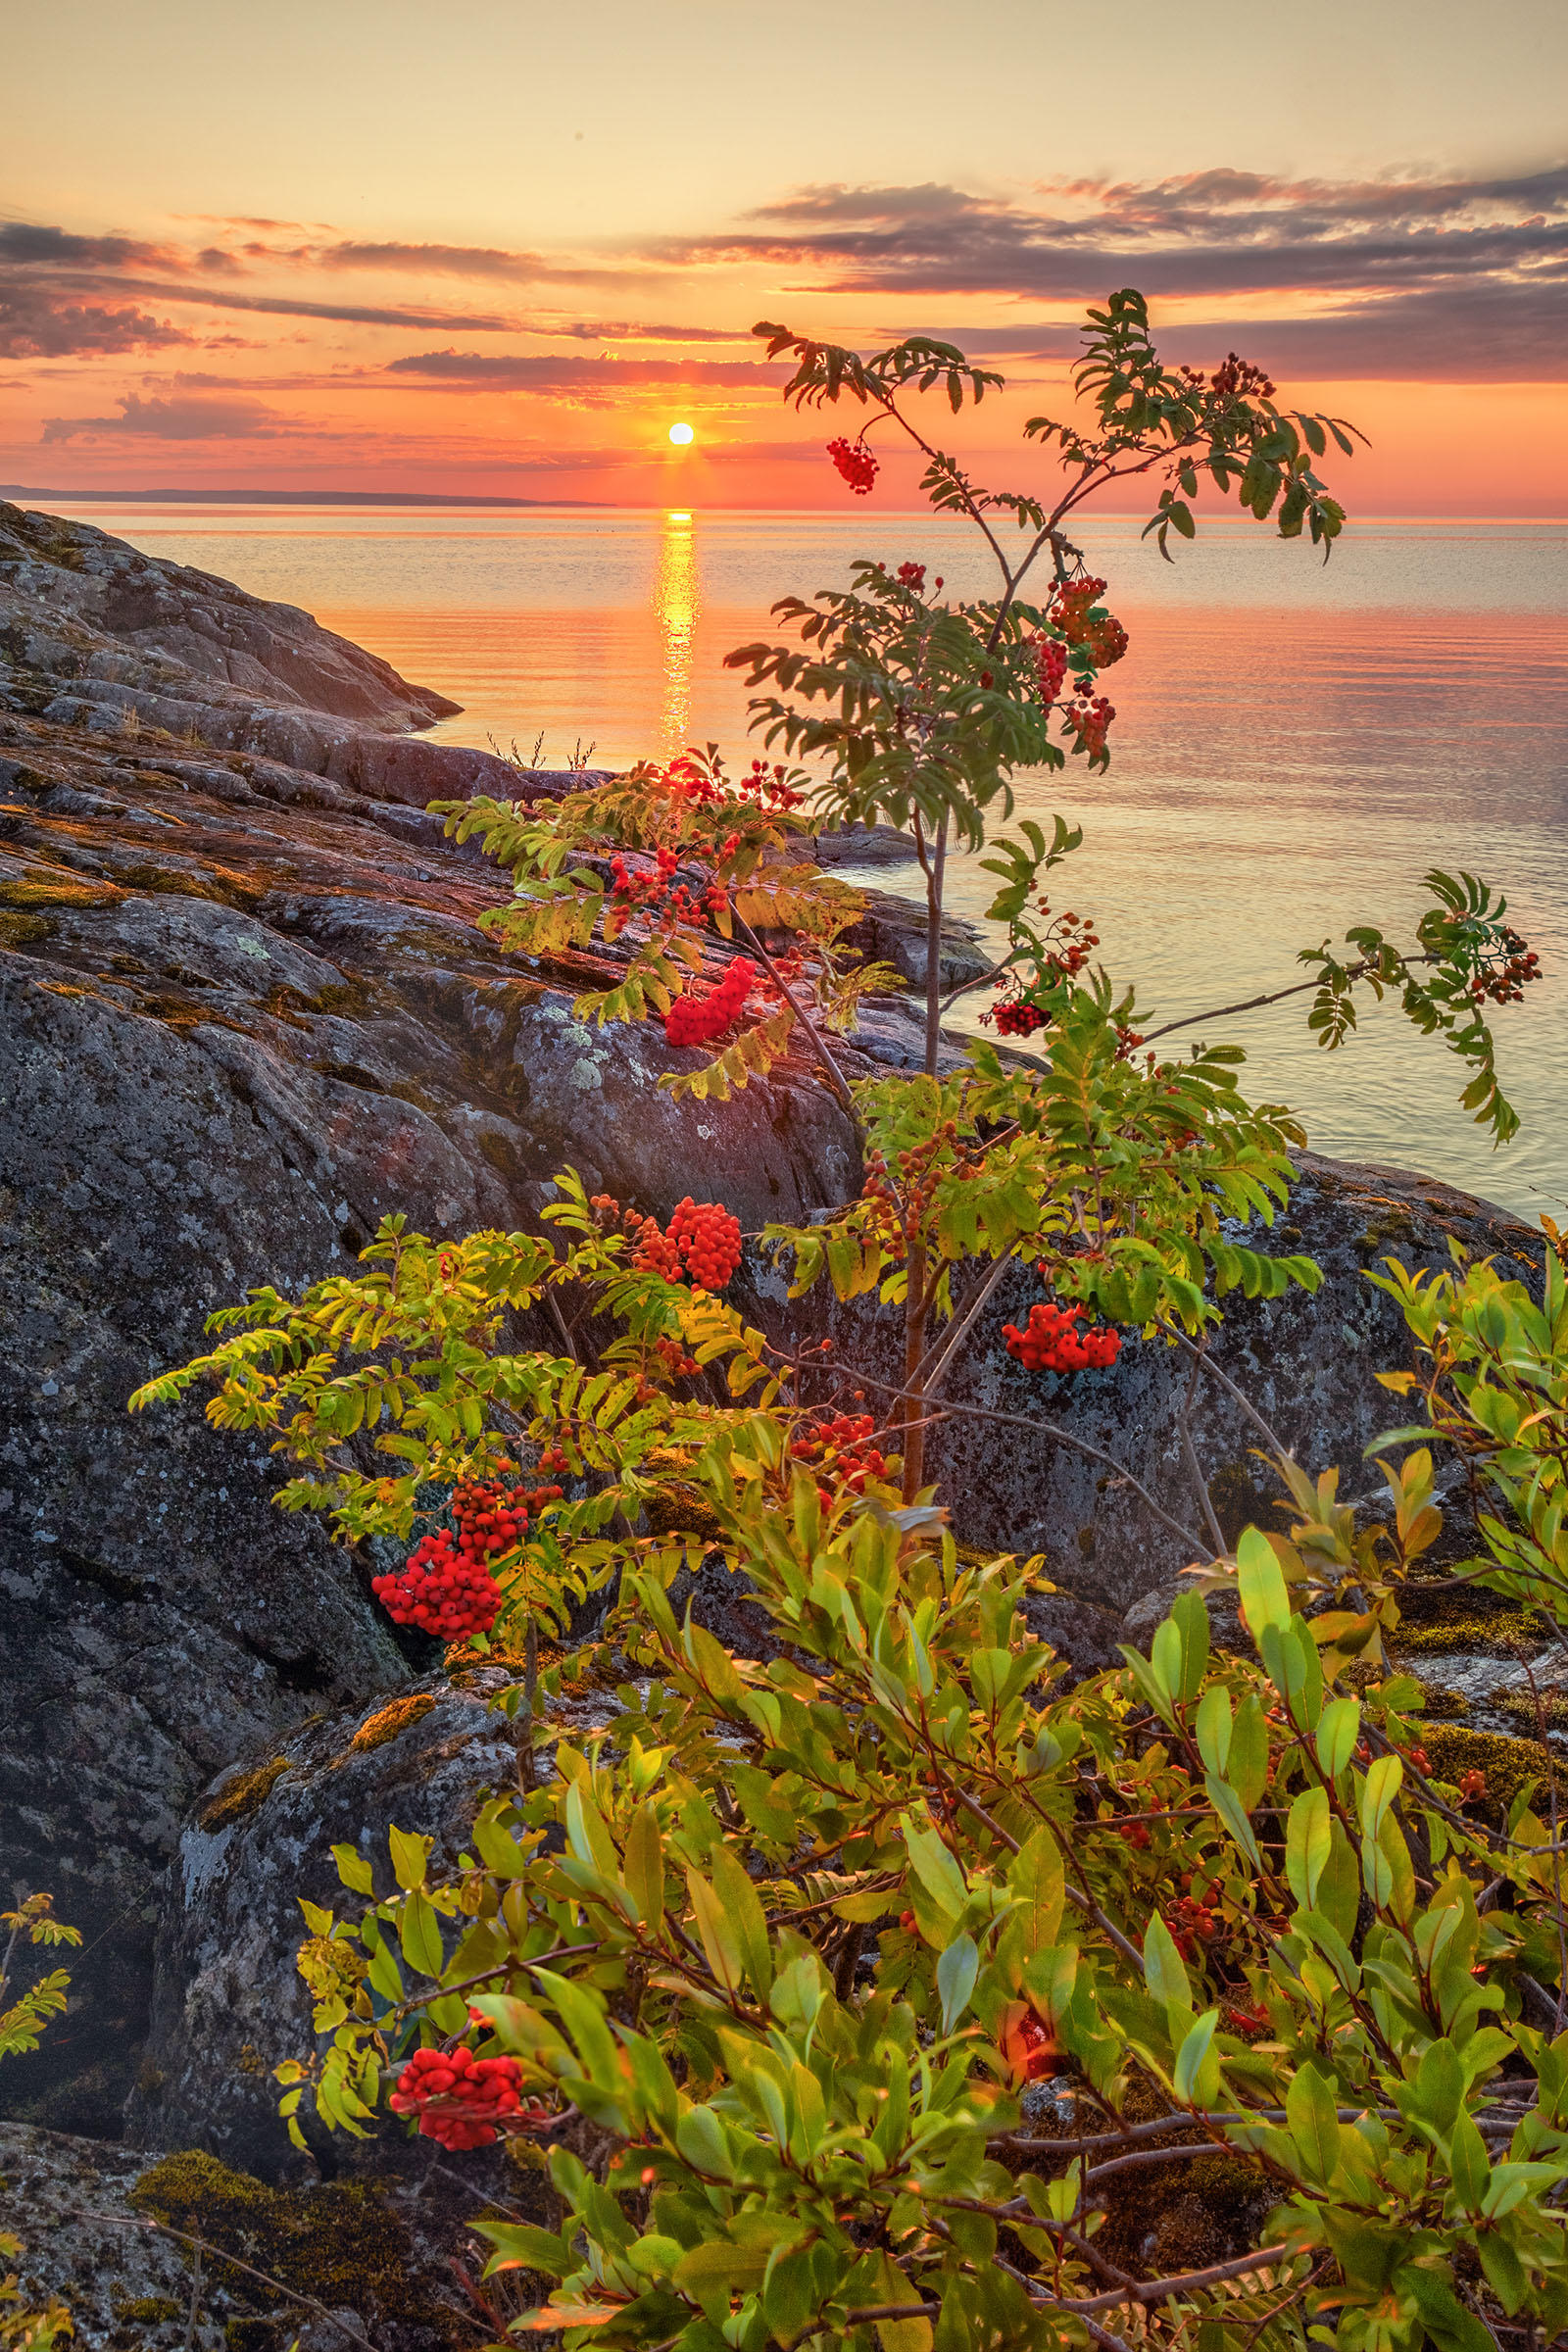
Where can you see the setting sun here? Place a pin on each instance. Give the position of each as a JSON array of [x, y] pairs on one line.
[[680, 434]]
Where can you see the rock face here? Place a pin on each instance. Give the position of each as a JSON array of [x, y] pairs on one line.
[[230, 2003], [1053, 1470], [94, 634], [244, 1014]]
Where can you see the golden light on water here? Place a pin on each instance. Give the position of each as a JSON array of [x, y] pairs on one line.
[[678, 603], [681, 435]]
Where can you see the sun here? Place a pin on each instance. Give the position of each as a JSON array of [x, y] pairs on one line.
[[681, 434]]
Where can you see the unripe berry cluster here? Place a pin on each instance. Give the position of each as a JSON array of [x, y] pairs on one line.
[[856, 463], [693, 1020], [459, 2098], [1505, 983], [1049, 1341]]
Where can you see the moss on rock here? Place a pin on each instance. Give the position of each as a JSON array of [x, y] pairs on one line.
[[385, 1724], [1452, 1750], [240, 1796], [339, 2243]]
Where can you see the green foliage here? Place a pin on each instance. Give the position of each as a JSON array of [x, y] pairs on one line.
[[1493, 1378], [794, 1940], [23, 2328], [24, 2021]]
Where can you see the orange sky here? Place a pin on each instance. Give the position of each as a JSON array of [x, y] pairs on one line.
[[498, 251]]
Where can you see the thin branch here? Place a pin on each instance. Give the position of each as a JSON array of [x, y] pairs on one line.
[[934, 1363], [836, 1076], [1225, 1012], [202, 2245], [1058, 1437], [1205, 1502], [1238, 1396]]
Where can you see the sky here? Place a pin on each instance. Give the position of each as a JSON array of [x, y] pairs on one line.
[[498, 248]]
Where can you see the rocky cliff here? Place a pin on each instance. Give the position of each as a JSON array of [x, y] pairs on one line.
[[244, 1014]]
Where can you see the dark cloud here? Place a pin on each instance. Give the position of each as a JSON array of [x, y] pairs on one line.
[[28, 241], [39, 322], [454, 261], [179, 418], [284, 306], [1410, 272], [484, 371]]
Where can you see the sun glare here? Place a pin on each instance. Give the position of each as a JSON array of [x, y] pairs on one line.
[[680, 434]]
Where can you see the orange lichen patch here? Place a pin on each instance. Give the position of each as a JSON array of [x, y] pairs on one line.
[[52, 887], [239, 1797], [379, 1729]]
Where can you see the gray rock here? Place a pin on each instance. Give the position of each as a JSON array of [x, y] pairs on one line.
[[241, 1020], [229, 2002]]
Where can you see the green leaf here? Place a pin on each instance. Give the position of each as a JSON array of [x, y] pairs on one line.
[[1307, 1844], [353, 1868], [1163, 1971], [645, 1866], [419, 1933], [1310, 2106], [410, 1858], [720, 1939], [1338, 1729], [957, 1971], [735, 1891], [1195, 2078], [1440, 2085], [1266, 1600]]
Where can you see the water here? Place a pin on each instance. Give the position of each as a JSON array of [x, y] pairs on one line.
[[1296, 745]]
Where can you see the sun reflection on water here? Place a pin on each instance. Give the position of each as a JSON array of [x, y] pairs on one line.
[[677, 604]]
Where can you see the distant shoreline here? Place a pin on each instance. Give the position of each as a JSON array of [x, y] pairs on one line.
[[279, 498]]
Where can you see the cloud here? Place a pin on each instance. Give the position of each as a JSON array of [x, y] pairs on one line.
[[179, 418], [487, 372], [27, 241], [1407, 271], [40, 322], [455, 261]]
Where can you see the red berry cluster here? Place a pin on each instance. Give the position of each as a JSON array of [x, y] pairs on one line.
[[1051, 667], [1507, 983], [766, 783], [493, 1518], [1100, 635], [856, 463], [1192, 1924], [913, 577], [843, 1443], [1090, 716], [708, 1238], [1472, 1787], [1049, 1341], [693, 1020], [1238, 380], [675, 1358], [459, 2099], [704, 1240], [1014, 1020], [440, 1590]]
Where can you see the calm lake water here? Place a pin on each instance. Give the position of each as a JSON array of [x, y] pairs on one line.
[[1296, 745]]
